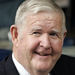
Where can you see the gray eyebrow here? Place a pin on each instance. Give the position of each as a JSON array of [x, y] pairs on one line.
[[36, 28], [55, 30]]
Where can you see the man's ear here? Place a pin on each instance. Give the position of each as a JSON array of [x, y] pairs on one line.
[[64, 35], [14, 33]]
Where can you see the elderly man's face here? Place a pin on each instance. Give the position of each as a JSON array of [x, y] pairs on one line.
[[39, 43]]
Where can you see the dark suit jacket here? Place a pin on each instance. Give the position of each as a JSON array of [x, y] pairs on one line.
[[64, 66]]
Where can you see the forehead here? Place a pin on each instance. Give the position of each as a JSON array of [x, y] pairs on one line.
[[44, 19]]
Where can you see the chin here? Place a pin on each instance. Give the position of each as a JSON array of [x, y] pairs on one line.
[[44, 67]]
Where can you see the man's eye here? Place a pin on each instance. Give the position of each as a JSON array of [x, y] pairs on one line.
[[36, 33], [53, 34]]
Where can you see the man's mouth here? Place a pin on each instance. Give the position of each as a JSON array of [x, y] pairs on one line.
[[42, 53]]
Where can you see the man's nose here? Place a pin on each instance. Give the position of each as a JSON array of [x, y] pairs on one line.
[[45, 41]]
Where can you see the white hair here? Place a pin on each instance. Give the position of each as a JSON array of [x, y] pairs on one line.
[[35, 6]]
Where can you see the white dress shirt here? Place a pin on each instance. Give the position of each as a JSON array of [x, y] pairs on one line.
[[19, 67]]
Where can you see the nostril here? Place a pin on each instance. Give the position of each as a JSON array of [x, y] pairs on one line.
[[36, 52], [46, 54], [45, 45]]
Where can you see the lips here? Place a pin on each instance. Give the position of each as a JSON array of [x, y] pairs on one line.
[[43, 53]]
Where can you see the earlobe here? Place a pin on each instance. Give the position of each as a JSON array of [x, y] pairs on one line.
[[14, 33], [65, 34]]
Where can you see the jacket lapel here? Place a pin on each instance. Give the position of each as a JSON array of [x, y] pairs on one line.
[[10, 67]]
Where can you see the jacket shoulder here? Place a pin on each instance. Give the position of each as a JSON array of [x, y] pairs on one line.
[[65, 65], [2, 66], [69, 60]]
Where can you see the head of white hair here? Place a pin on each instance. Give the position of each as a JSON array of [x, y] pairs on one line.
[[35, 6]]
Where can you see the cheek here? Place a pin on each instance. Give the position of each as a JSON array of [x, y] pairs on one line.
[[57, 46], [30, 46], [57, 49], [31, 43], [28, 42], [26, 46]]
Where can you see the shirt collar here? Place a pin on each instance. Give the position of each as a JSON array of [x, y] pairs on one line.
[[19, 67]]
